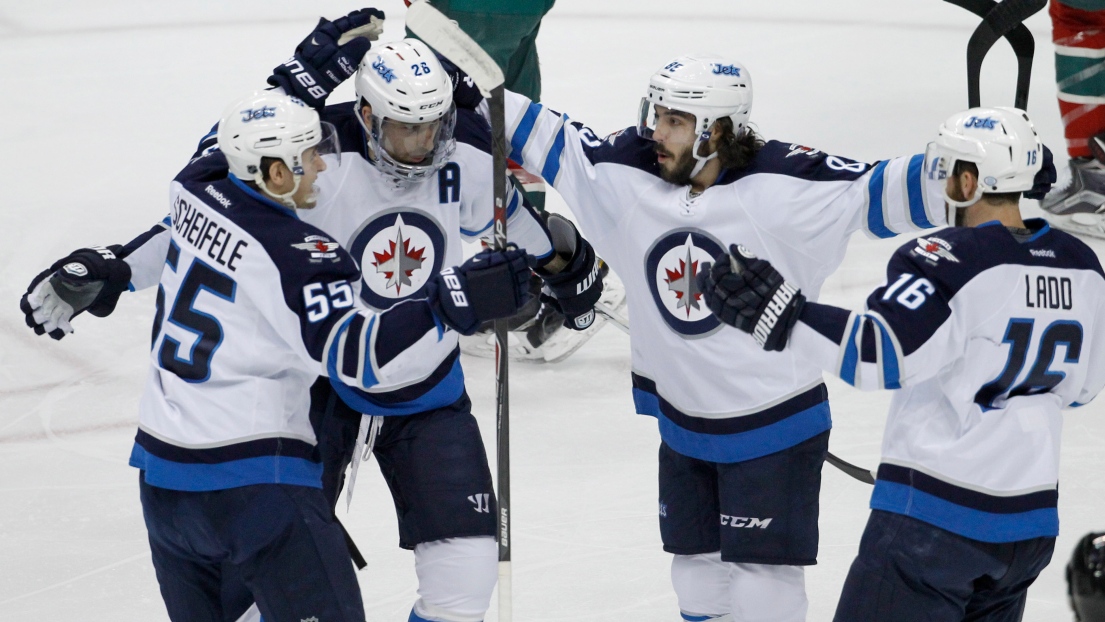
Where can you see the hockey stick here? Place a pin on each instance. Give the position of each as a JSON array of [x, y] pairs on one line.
[[613, 316], [450, 41], [998, 20], [866, 476]]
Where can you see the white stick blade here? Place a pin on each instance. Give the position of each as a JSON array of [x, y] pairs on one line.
[[440, 33]]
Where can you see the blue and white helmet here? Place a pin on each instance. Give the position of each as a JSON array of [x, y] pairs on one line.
[[405, 84], [1001, 142], [707, 86]]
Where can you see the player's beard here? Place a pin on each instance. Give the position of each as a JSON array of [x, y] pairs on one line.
[[680, 169]]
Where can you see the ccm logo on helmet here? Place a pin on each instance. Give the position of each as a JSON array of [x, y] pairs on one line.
[[258, 113], [727, 70], [982, 124], [746, 522]]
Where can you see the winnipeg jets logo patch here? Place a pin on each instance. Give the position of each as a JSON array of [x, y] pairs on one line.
[[934, 249], [398, 252], [671, 269], [320, 248]]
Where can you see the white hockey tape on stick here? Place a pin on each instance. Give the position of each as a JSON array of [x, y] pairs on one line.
[[443, 35]]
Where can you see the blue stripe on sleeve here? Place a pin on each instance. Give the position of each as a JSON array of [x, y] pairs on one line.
[[552, 160], [890, 372], [876, 224], [916, 195], [442, 394], [851, 355], [368, 379], [521, 135]]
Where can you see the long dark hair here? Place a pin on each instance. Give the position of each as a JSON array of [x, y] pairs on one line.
[[737, 150]]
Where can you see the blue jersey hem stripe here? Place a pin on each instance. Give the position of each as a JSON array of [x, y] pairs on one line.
[[741, 446], [245, 472], [876, 222], [916, 194], [971, 499], [967, 522]]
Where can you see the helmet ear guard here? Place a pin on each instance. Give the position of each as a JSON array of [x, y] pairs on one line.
[[1001, 142]]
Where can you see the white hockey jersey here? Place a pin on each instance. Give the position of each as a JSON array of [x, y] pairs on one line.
[[717, 395], [252, 306], [987, 337], [400, 234]]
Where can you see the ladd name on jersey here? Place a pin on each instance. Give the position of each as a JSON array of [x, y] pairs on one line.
[[1048, 292], [203, 233]]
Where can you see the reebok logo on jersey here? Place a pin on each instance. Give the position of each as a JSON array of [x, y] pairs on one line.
[[320, 247], [218, 196], [1043, 252], [745, 522], [934, 249]]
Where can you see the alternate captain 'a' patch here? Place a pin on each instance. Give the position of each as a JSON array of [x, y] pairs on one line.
[[671, 269], [934, 249], [398, 252]]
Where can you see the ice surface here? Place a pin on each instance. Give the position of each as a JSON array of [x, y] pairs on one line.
[[102, 102]]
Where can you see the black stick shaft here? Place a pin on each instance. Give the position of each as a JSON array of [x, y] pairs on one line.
[[498, 153]]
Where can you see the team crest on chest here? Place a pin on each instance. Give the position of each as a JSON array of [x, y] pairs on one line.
[[671, 269], [398, 252]]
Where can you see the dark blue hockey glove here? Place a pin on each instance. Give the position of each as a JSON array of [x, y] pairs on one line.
[[328, 56], [1041, 184], [489, 286], [576, 287], [749, 294], [88, 279], [465, 92]]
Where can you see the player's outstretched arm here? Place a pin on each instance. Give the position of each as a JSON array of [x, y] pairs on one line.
[[491, 285], [328, 56], [88, 279]]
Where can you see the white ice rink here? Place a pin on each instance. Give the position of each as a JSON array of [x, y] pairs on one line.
[[101, 102]]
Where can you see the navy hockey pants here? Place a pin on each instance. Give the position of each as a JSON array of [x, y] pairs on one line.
[[278, 541], [910, 571]]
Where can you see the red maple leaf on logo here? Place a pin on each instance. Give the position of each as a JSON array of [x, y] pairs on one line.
[[321, 246], [681, 283], [405, 262], [932, 247]]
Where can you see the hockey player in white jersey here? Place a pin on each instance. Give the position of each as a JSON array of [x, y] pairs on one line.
[[413, 184], [252, 305], [744, 433], [986, 331]]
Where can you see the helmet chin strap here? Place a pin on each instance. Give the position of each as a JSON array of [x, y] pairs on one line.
[[285, 198], [700, 161]]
